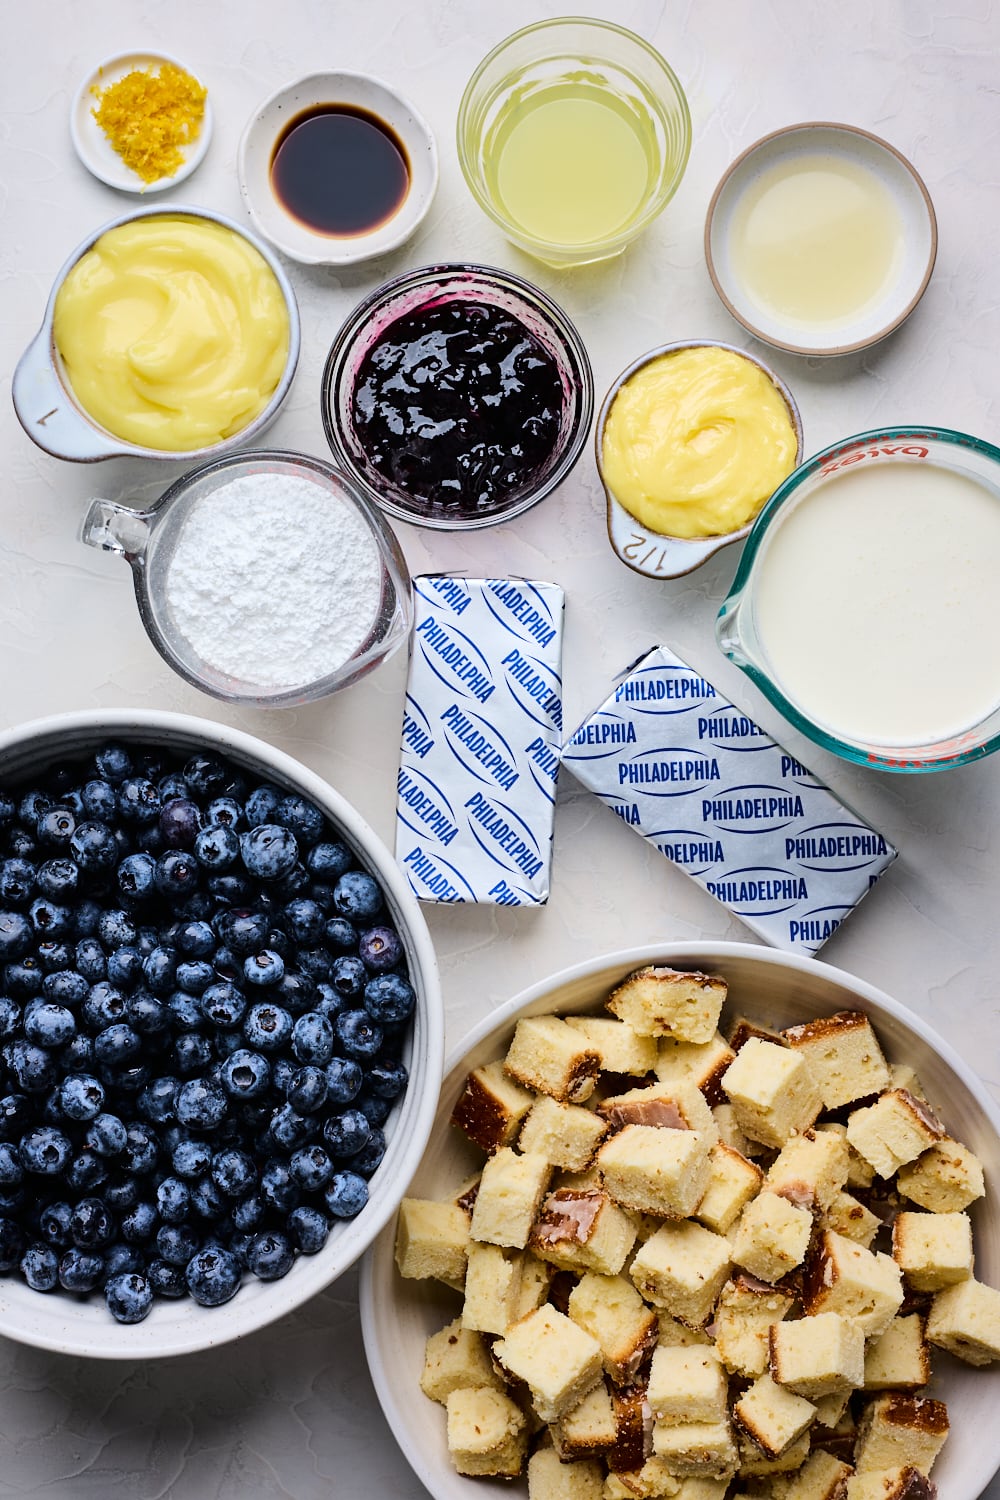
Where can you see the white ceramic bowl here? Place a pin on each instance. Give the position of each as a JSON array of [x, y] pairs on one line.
[[898, 179], [358, 91], [83, 1327], [43, 396], [781, 990], [96, 151]]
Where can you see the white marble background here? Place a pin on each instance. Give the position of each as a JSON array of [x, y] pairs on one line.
[[290, 1414]]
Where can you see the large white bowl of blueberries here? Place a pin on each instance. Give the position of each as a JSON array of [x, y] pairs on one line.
[[221, 1034], [700, 1220]]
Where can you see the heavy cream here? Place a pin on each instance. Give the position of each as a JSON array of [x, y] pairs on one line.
[[874, 603]]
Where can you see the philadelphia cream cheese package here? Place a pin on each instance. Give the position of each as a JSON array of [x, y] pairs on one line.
[[481, 734], [715, 794]]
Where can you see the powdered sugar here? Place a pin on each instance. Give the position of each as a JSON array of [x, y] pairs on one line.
[[275, 580]]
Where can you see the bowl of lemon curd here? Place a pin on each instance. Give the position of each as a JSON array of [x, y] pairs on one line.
[[170, 332], [863, 606]]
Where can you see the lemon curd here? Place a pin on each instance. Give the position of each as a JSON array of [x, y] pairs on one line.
[[695, 442], [572, 164], [173, 332], [816, 239]]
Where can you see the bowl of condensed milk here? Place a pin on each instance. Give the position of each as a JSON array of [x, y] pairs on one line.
[[863, 606]]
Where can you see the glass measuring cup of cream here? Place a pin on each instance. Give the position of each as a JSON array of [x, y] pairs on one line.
[[263, 578], [863, 607], [573, 135]]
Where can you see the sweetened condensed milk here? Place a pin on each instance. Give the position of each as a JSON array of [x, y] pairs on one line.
[[874, 603]]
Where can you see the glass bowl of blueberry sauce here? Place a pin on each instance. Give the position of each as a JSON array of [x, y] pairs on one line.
[[222, 1034], [457, 396]]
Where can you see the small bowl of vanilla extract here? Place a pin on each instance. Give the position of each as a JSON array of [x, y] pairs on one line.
[[337, 168]]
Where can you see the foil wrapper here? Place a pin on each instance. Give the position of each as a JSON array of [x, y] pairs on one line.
[[721, 799], [475, 795]]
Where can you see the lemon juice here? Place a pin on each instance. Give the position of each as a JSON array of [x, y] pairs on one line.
[[572, 164]]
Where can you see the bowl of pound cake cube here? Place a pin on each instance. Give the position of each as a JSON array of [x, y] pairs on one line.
[[702, 1221]]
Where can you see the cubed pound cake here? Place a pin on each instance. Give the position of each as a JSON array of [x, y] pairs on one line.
[[896, 1129], [687, 1385], [582, 1229], [666, 1002], [432, 1239], [621, 1048], [760, 1468], [456, 1358], [700, 1063], [746, 1310], [772, 1417], [732, 1182], [818, 1356], [610, 1309], [771, 1237], [509, 1197], [899, 1359], [965, 1320], [821, 1477], [565, 1134], [773, 1092], [654, 1481], [487, 1432], [673, 1105], [844, 1055], [683, 1268], [842, 1276], [848, 1216], [811, 1169], [548, 1056], [491, 1107], [932, 1250], [550, 1479], [655, 1170], [492, 1288], [695, 1449], [945, 1178], [555, 1358], [899, 1430], [589, 1429], [896, 1484]]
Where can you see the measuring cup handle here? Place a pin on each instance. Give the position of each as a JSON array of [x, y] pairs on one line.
[[115, 528], [46, 412]]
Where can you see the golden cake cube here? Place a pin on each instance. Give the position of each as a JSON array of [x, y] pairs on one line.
[[848, 1216], [536, 1279], [773, 1092], [491, 1107], [432, 1239], [700, 1063], [817, 1356], [896, 1129], [555, 1358], [567, 1135], [456, 1358], [683, 1268], [810, 1169], [746, 1310], [487, 1433], [903, 1483], [932, 1250], [550, 1479], [756, 1465], [621, 1049], [510, 1194], [550, 1057], [654, 1170], [695, 1449], [899, 1359], [687, 1385], [844, 1054], [771, 1416], [492, 1288], [674, 1105], [588, 1430], [821, 1477], [945, 1178], [965, 1320], [771, 1237], [730, 1133], [898, 1429], [610, 1309], [582, 1229], [842, 1276], [666, 1002], [732, 1182]]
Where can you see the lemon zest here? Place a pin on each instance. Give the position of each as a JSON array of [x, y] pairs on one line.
[[150, 117]]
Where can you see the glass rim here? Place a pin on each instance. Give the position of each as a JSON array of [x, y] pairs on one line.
[[665, 191], [886, 757]]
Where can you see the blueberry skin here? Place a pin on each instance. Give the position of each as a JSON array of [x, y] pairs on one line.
[[223, 1004], [129, 1297], [278, 1188], [49, 918], [156, 1102], [103, 1007], [191, 1159], [267, 1027], [302, 817], [200, 1104], [32, 1068], [289, 1129], [346, 1195], [270, 1255], [344, 1078], [185, 1012], [93, 847], [136, 876], [98, 799], [213, 1276], [58, 879], [80, 1270], [206, 775], [11, 1169], [116, 929], [348, 976], [357, 896], [311, 1167], [388, 1079], [358, 1035], [315, 963], [147, 1015], [17, 880], [347, 1133], [261, 803], [81, 1097], [308, 1229], [15, 935], [269, 851], [234, 1173], [10, 1017], [304, 920], [307, 1091], [191, 1053], [245, 1074], [312, 1039], [176, 1243], [179, 821], [113, 763], [369, 1157], [117, 1044], [91, 961], [243, 932], [264, 969], [138, 800], [224, 811], [53, 956], [122, 1193], [107, 1135], [141, 1149], [194, 976], [195, 939], [23, 978], [296, 992], [173, 1200], [329, 861], [177, 873], [124, 968], [139, 1223], [166, 1280], [249, 1212], [380, 949], [92, 1225], [40, 1268], [160, 969], [87, 1170], [375, 1110], [119, 1259], [53, 1224], [207, 1201]]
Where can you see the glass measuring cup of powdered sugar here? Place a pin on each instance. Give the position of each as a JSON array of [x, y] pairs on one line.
[[262, 578]]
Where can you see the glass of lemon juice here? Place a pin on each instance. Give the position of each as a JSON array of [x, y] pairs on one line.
[[573, 135]]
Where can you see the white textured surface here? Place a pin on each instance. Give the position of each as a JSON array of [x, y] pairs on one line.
[[291, 1413]]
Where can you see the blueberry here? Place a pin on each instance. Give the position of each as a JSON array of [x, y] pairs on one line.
[[296, 992], [10, 1016], [264, 968], [389, 998], [176, 1243], [206, 1200], [249, 1212], [346, 1194], [369, 1157], [15, 935], [195, 939], [160, 969], [328, 1002], [226, 965], [92, 1225], [49, 919], [117, 1044], [230, 889], [245, 1074], [147, 1015], [44, 1151], [191, 1053], [179, 822], [200, 1104], [191, 1159], [380, 949], [116, 929], [311, 1167], [119, 1259], [81, 1097], [328, 861], [107, 1135], [23, 977], [166, 1280], [129, 1297], [138, 1223], [261, 803], [80, 1270], [53, 955], [308, 1229], [32, 805], [138, 800], [177, 873], [234, 1173], [185, 1012], [194, 975], [141, 1150], [302, 817], [267, 1027], [213, 1276], [278, 1187], [156, 1102], [344, 1078], [173, 1200], [269, 851], [17, 880], [348, 976], [58, 879], [48, 1024], [357, 896], [66, 987], [53, 1224], [126, 1077], [93, 847], [308, 1089], [104, 1005], [87, 1170], [375, 1110], [113, 762], [223, 1004], [345, 1134], [270, 1255], [294, 883], [91, 960], [40, 1268], [388, 1079], [225, 811], [121, 1193], [205, 774], [32, 1068], [98, 799], [11, 1170], [20, 845], [244, 932], [289, 1129], [358, 1035], [304, 920], [283, 1073], [136, 876]]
